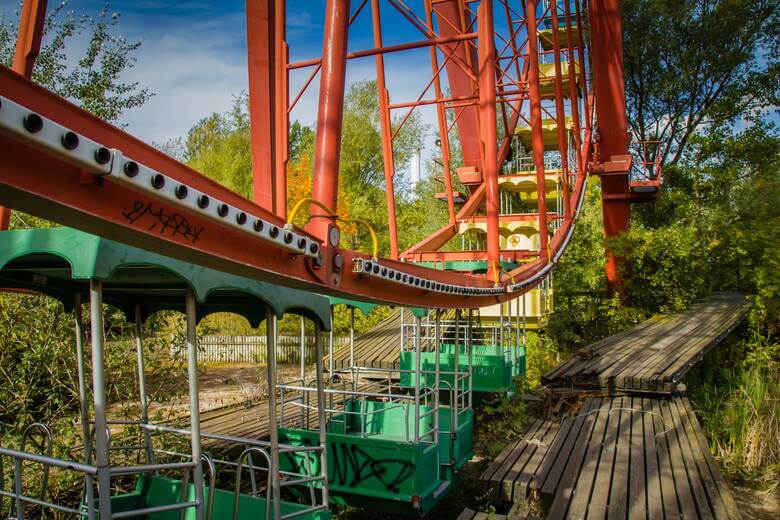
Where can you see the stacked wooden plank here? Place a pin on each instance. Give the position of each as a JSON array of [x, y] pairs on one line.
[[379, 347], [636, 457], [510, 476], [655, 355], [633, 447]]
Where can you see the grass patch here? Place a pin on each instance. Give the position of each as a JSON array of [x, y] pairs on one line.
[[736, 394]]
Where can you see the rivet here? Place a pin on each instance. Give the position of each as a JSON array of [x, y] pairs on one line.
[[158, 181], [241, 218], [130, 168], [181, 191], [203, 201], [223, 210], [33, 123], [102, 155]]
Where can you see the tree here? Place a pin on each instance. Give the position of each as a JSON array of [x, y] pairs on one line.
[[692, 64], [94, 80]]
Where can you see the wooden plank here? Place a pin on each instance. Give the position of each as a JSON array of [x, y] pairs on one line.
[[578, 507], [526, 479], [637, 484], [599, 498], [668, 490], [681, 484], [688, 460], [571, 472], [467, 514], [618, 492], [724, 493], [499, 472], [652, 472], [552, 474]]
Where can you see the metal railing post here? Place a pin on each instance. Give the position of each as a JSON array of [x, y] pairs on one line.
[[139, 353], [417, 381], [82, 372], [456, 369], [270, 331], [99, 397], [192, 378], [302, 370], [351, 337], [321, 415], [471, 362]]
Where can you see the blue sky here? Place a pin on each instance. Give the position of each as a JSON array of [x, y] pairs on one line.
[[193, 56]]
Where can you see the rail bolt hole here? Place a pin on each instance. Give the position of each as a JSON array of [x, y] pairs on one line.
[[70, 141], [33, 123]]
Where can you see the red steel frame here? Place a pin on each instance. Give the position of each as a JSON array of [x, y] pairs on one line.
[[489, 75]]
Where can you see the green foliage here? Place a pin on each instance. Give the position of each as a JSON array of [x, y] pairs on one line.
[[94, 80], [691, 63]]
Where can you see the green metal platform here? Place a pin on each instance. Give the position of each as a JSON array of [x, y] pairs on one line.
[[373, 463], [492, 369], [151, 491]]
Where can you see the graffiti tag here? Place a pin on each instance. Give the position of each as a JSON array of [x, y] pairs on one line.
[[158, 219]]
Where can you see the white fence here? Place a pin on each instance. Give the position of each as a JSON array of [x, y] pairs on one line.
[[251, 349]]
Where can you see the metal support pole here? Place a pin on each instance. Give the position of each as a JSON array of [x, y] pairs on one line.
[[437, 355], [302, 359], [82, 372], [487, 113], [99, 397], [139, 353], [560, 114], [537, 138], [610, 102], [402, 330], [386, 131], [303, 370], [417, 379], [471, 356], [321, 415], [325, 177], [351, 337], [192, 378], [268, 99], [270, 345], [456, 369]]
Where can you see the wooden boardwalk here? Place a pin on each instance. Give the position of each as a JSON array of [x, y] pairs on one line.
[[655, 355], [636, 457], [632, 446], [379, 347]]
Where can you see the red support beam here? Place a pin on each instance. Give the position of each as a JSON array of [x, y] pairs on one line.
[[560, 113], [28, 45], [325, 178], [537, 140], [266, 52], [487, 113], [386, 131], [450, 15], [611, 125]]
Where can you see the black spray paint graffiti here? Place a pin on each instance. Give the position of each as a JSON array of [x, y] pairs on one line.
[[350, 465], [172, 223]]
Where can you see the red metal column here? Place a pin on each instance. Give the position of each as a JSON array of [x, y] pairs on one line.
[[260, 50], [441, 118], [281, 102], [28, 44], [537, 139], [560, 113], [325, 181], [573, 99], [386, 131], [487, 113], [449, 14], [611, 125]]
